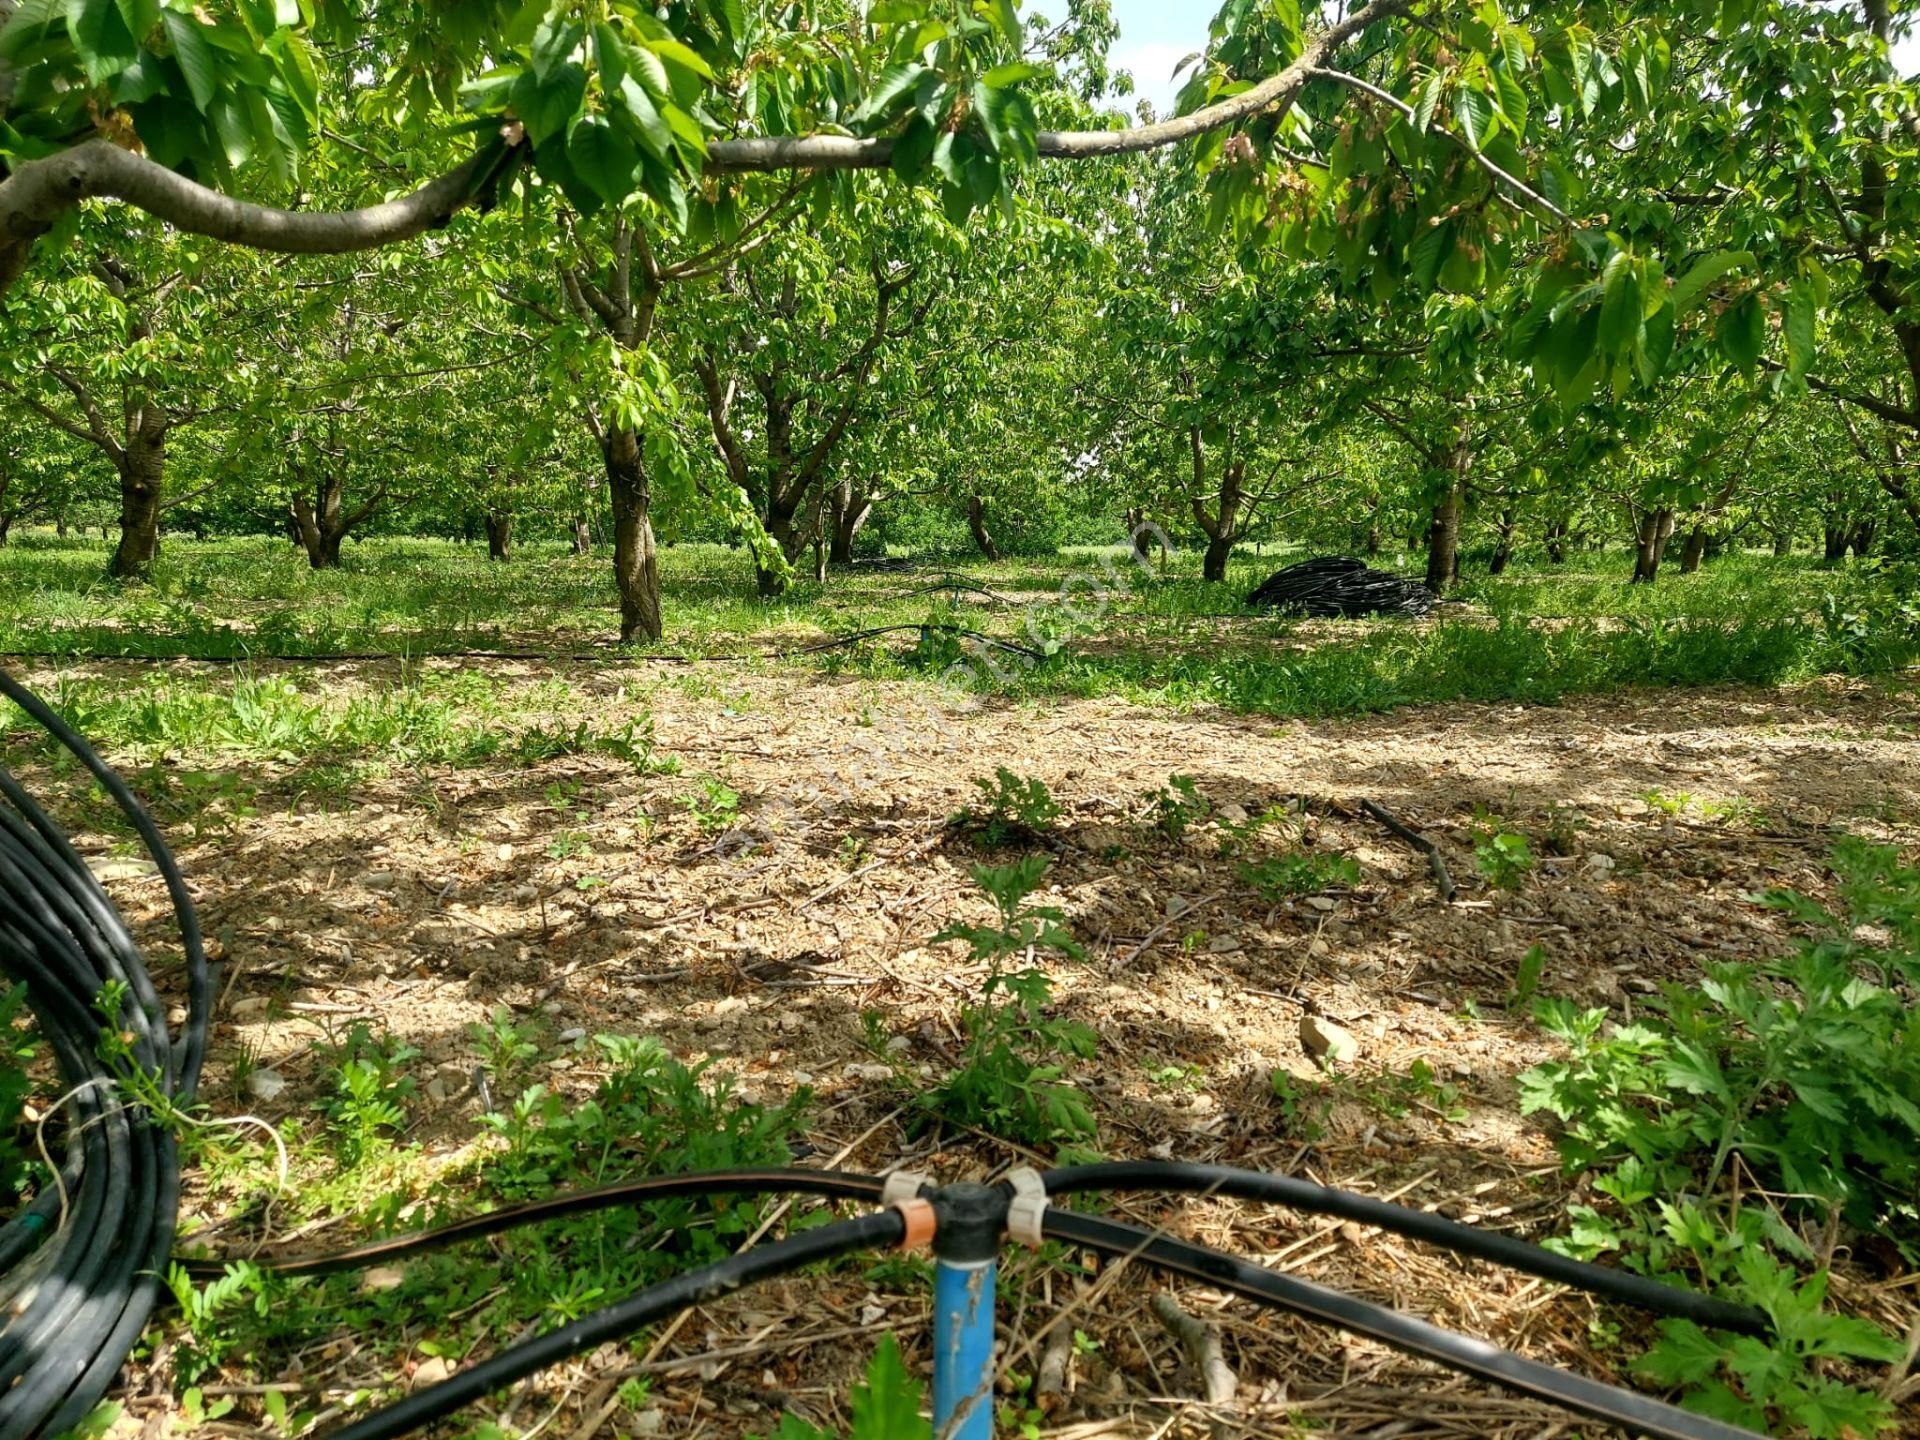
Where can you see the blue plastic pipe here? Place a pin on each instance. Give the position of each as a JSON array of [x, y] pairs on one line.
[[963, 1349]]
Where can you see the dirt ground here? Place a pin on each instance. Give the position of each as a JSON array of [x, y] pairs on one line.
[[761, 942]]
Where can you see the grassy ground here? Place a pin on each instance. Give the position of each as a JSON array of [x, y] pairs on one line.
[[1107, 627], [492, 926]]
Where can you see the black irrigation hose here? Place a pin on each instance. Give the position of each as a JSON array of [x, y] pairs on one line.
[[84, 1259], [1339, 586], [879, 1231], [1621, 1285], [1640, 1414], [796, 1180]]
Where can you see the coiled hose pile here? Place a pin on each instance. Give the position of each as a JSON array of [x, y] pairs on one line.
[[80, 1265]]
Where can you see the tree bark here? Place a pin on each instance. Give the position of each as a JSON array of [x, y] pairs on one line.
[[1503, 547], [1650, 544], [1557, 542], [852, 505], [1695, 550], [636, 565], [1834, 536], [977, 523], [1861, 539], [142, 463], [499, 534], [582, 537], [1443, 538], [1782, 544], [1140, 533]]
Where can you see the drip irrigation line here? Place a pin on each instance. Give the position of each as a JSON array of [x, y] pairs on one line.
[[83, 1258], [828, 1184], [1622, 1285], [1339, 586], [879, 1231], [611, 657], [1637, 1413]]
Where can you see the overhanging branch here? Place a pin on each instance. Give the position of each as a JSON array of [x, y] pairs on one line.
[[40, 191]]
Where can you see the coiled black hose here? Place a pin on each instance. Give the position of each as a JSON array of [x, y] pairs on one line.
[[83, 1261]]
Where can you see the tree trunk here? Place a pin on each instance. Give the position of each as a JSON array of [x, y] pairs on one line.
[[977, 523], [1695, 550], [1213, 565], [851, 508], [1860, 541], [1140, 533], [143, 473], [60, 526], [636, 566], [6, 524], [1443, 540], [1557, 542], [582, 537], [1782, 544], [1503, 547], [1650, 544], [499, 534], [1834, 537]]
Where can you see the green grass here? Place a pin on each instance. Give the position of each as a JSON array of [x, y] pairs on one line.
[[1160, 637]]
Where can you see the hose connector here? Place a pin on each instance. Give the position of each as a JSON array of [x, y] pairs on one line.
[[1028, 1208]]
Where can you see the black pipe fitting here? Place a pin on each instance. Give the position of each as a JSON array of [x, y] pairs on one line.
[[972, 1221]]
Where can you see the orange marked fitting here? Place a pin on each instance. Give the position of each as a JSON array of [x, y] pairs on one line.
[[918, 1214]]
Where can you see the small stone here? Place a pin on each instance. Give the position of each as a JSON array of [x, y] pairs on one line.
[[1599, 863], [1223, 945], [1233, 814], [790, 1021], [648, 1422], [439, 933], [870, 1072], [576, 1032], [899, 1045], [382, 1277], [437, 1090], [505, 852], [1322, 903], [266, 1084], [1325, 1040], [248, 1007], [524, 894], [378, 879], [871, 1314], [1178, 905], [431, 1371], [802, 1077]]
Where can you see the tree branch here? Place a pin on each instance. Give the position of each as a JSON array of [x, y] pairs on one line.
[[1505, 177]]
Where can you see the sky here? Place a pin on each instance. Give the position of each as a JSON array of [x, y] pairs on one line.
[[1155, 36]]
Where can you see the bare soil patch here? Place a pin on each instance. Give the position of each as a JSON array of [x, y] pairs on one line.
[[596, 895]]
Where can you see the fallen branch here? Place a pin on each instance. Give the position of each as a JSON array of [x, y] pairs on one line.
[[1202, 1345], [1441, 879]]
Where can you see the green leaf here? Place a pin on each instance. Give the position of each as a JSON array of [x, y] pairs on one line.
[[1742, 331], [1474, 111], [1685, 1355], [1689, 288], [1001, 76], [548, 107], [194, 56], [888, 87], [1620, 313], [887, 1407], [101, 36], [1798, 322], [1007, 18], [632, 104], [603, 158], [913, 150]]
